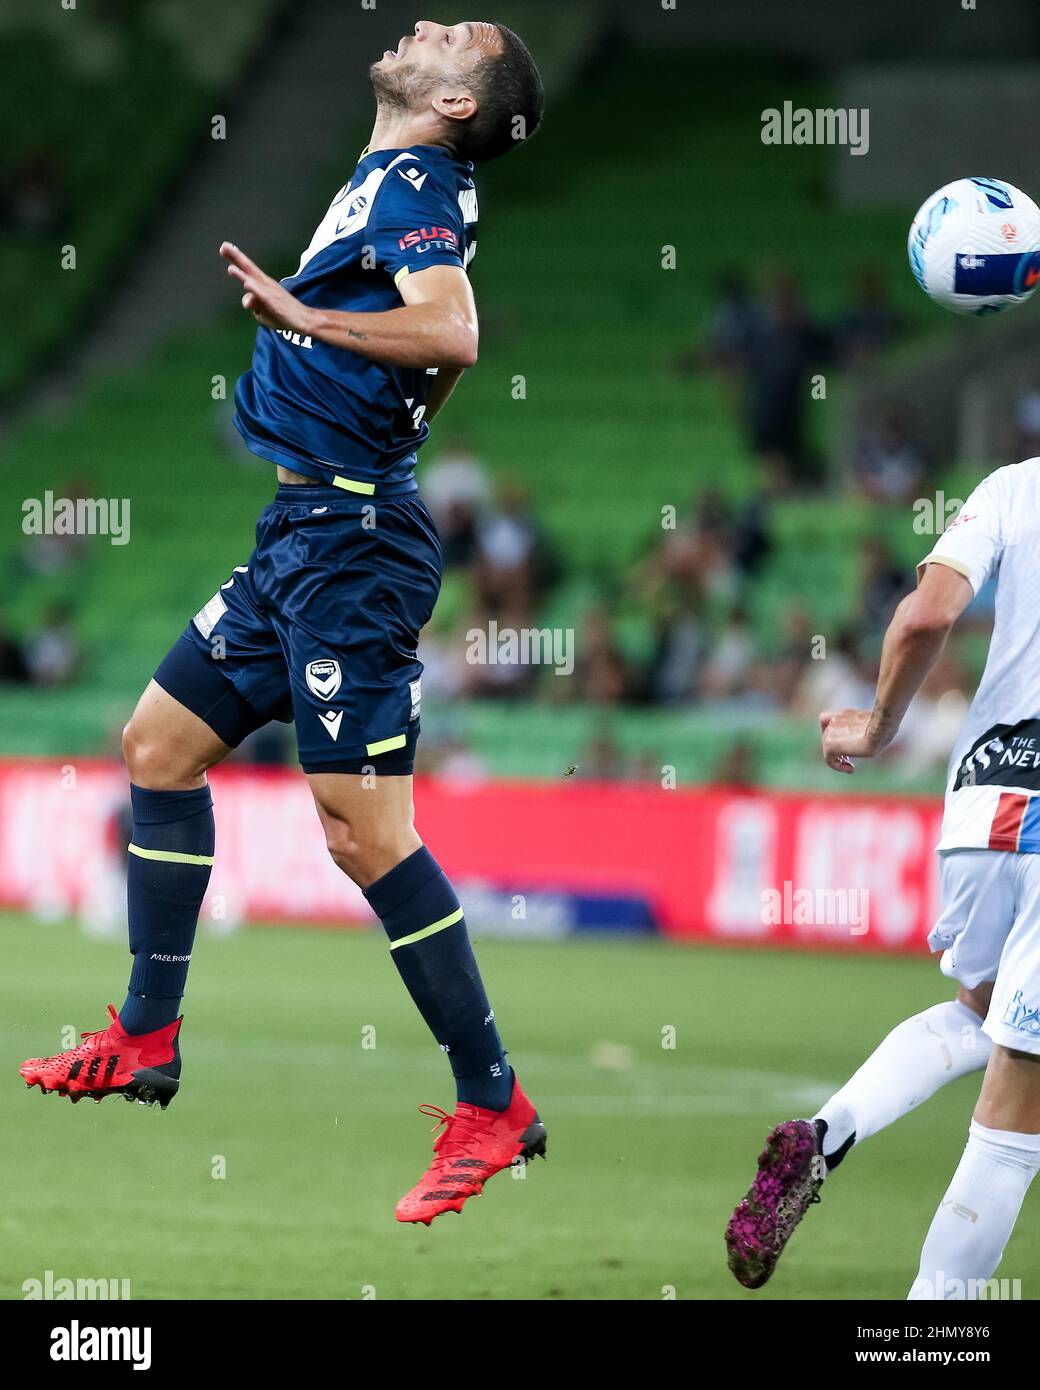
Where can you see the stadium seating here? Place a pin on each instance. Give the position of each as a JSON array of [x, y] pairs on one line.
[[571, 307], [98, 84]]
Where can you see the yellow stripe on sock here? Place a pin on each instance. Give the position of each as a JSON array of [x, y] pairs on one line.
[[349, 485], [168, 856], [385, 745], [428, 931]]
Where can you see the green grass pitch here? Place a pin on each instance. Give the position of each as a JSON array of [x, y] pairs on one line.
[[649, 1147]]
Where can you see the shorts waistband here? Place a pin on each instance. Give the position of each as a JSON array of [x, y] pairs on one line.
[[327, 492]]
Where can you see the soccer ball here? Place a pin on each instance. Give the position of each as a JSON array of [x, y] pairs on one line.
[[975, 246]]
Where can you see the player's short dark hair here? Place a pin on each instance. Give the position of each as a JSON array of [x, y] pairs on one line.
[[510, 99]]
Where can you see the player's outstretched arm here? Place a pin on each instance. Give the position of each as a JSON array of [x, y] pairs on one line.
[[913, 642], [436, 326]]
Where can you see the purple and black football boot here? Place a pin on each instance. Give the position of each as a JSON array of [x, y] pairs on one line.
[[790, 1173]]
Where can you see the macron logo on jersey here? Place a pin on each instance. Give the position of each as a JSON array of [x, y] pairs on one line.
[[414, 177], [332, 719]]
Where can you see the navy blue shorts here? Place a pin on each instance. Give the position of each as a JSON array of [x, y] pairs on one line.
[[320, 626]]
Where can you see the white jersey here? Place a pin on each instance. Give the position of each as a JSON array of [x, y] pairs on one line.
[[993, 787]]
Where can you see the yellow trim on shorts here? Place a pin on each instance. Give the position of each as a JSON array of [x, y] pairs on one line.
[[349, 485], [386, 744]]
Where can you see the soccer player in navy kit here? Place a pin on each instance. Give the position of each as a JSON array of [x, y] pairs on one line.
[[354, 356]]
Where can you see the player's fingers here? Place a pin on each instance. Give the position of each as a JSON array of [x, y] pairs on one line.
[[825, 718], [231, 252], [239, 258]]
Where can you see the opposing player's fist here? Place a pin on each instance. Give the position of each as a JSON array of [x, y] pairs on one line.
[[269, 302], [848, 734]]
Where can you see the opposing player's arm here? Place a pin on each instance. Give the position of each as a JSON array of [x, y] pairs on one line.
[[435, 327], [913, 643]]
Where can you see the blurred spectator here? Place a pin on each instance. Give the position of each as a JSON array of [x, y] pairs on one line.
[[870, 323], [456, 489], [443, 655], [738, 768], [13, 667], [786, 668], [270, 746], [734, 318], [514, 565], [889, 463], [34, 197], [882, 583], [694, 557], [648, 767], [52, 554], [601, 673], [450, 758], [734, 538], [729, 669], [844, 678], [934, 720], [980, 612], [768, 346], [749, 533], [499, 672], [779, 357], [681, 648], [602, 759], [54, 653]]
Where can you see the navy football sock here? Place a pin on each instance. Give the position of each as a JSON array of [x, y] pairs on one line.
[[168, 870], [430, 946]]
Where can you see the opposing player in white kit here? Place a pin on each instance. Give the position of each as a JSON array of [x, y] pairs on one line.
[[989, 927]]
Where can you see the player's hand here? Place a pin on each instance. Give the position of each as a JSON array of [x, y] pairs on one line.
[[269, 302], [848, 734]]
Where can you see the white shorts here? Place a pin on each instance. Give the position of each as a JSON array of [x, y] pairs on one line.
[[989, 929]]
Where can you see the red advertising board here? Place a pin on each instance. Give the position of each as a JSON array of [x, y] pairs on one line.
[[843, 871]]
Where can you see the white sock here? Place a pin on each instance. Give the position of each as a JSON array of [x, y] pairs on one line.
[[969, 1231], [918, 1056]]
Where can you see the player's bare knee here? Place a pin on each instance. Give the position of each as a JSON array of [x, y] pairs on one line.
[[365, 855], [344, 847], [151, 762], [354, 854], [138, 753]]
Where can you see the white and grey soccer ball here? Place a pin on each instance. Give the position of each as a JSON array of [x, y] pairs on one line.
[[974, 246]]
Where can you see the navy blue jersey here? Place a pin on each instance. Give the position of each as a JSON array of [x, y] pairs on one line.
[[325, 411]]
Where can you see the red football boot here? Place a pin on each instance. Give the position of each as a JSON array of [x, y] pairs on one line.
[[142, 1066], [476, 1145]]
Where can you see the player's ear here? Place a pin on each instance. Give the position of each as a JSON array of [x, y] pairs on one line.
[[455, 104]]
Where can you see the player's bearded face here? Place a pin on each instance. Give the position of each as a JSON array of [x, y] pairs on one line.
[[404, 86]]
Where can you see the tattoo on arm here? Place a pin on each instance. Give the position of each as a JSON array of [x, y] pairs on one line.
[[881, 718], [353, 333]]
